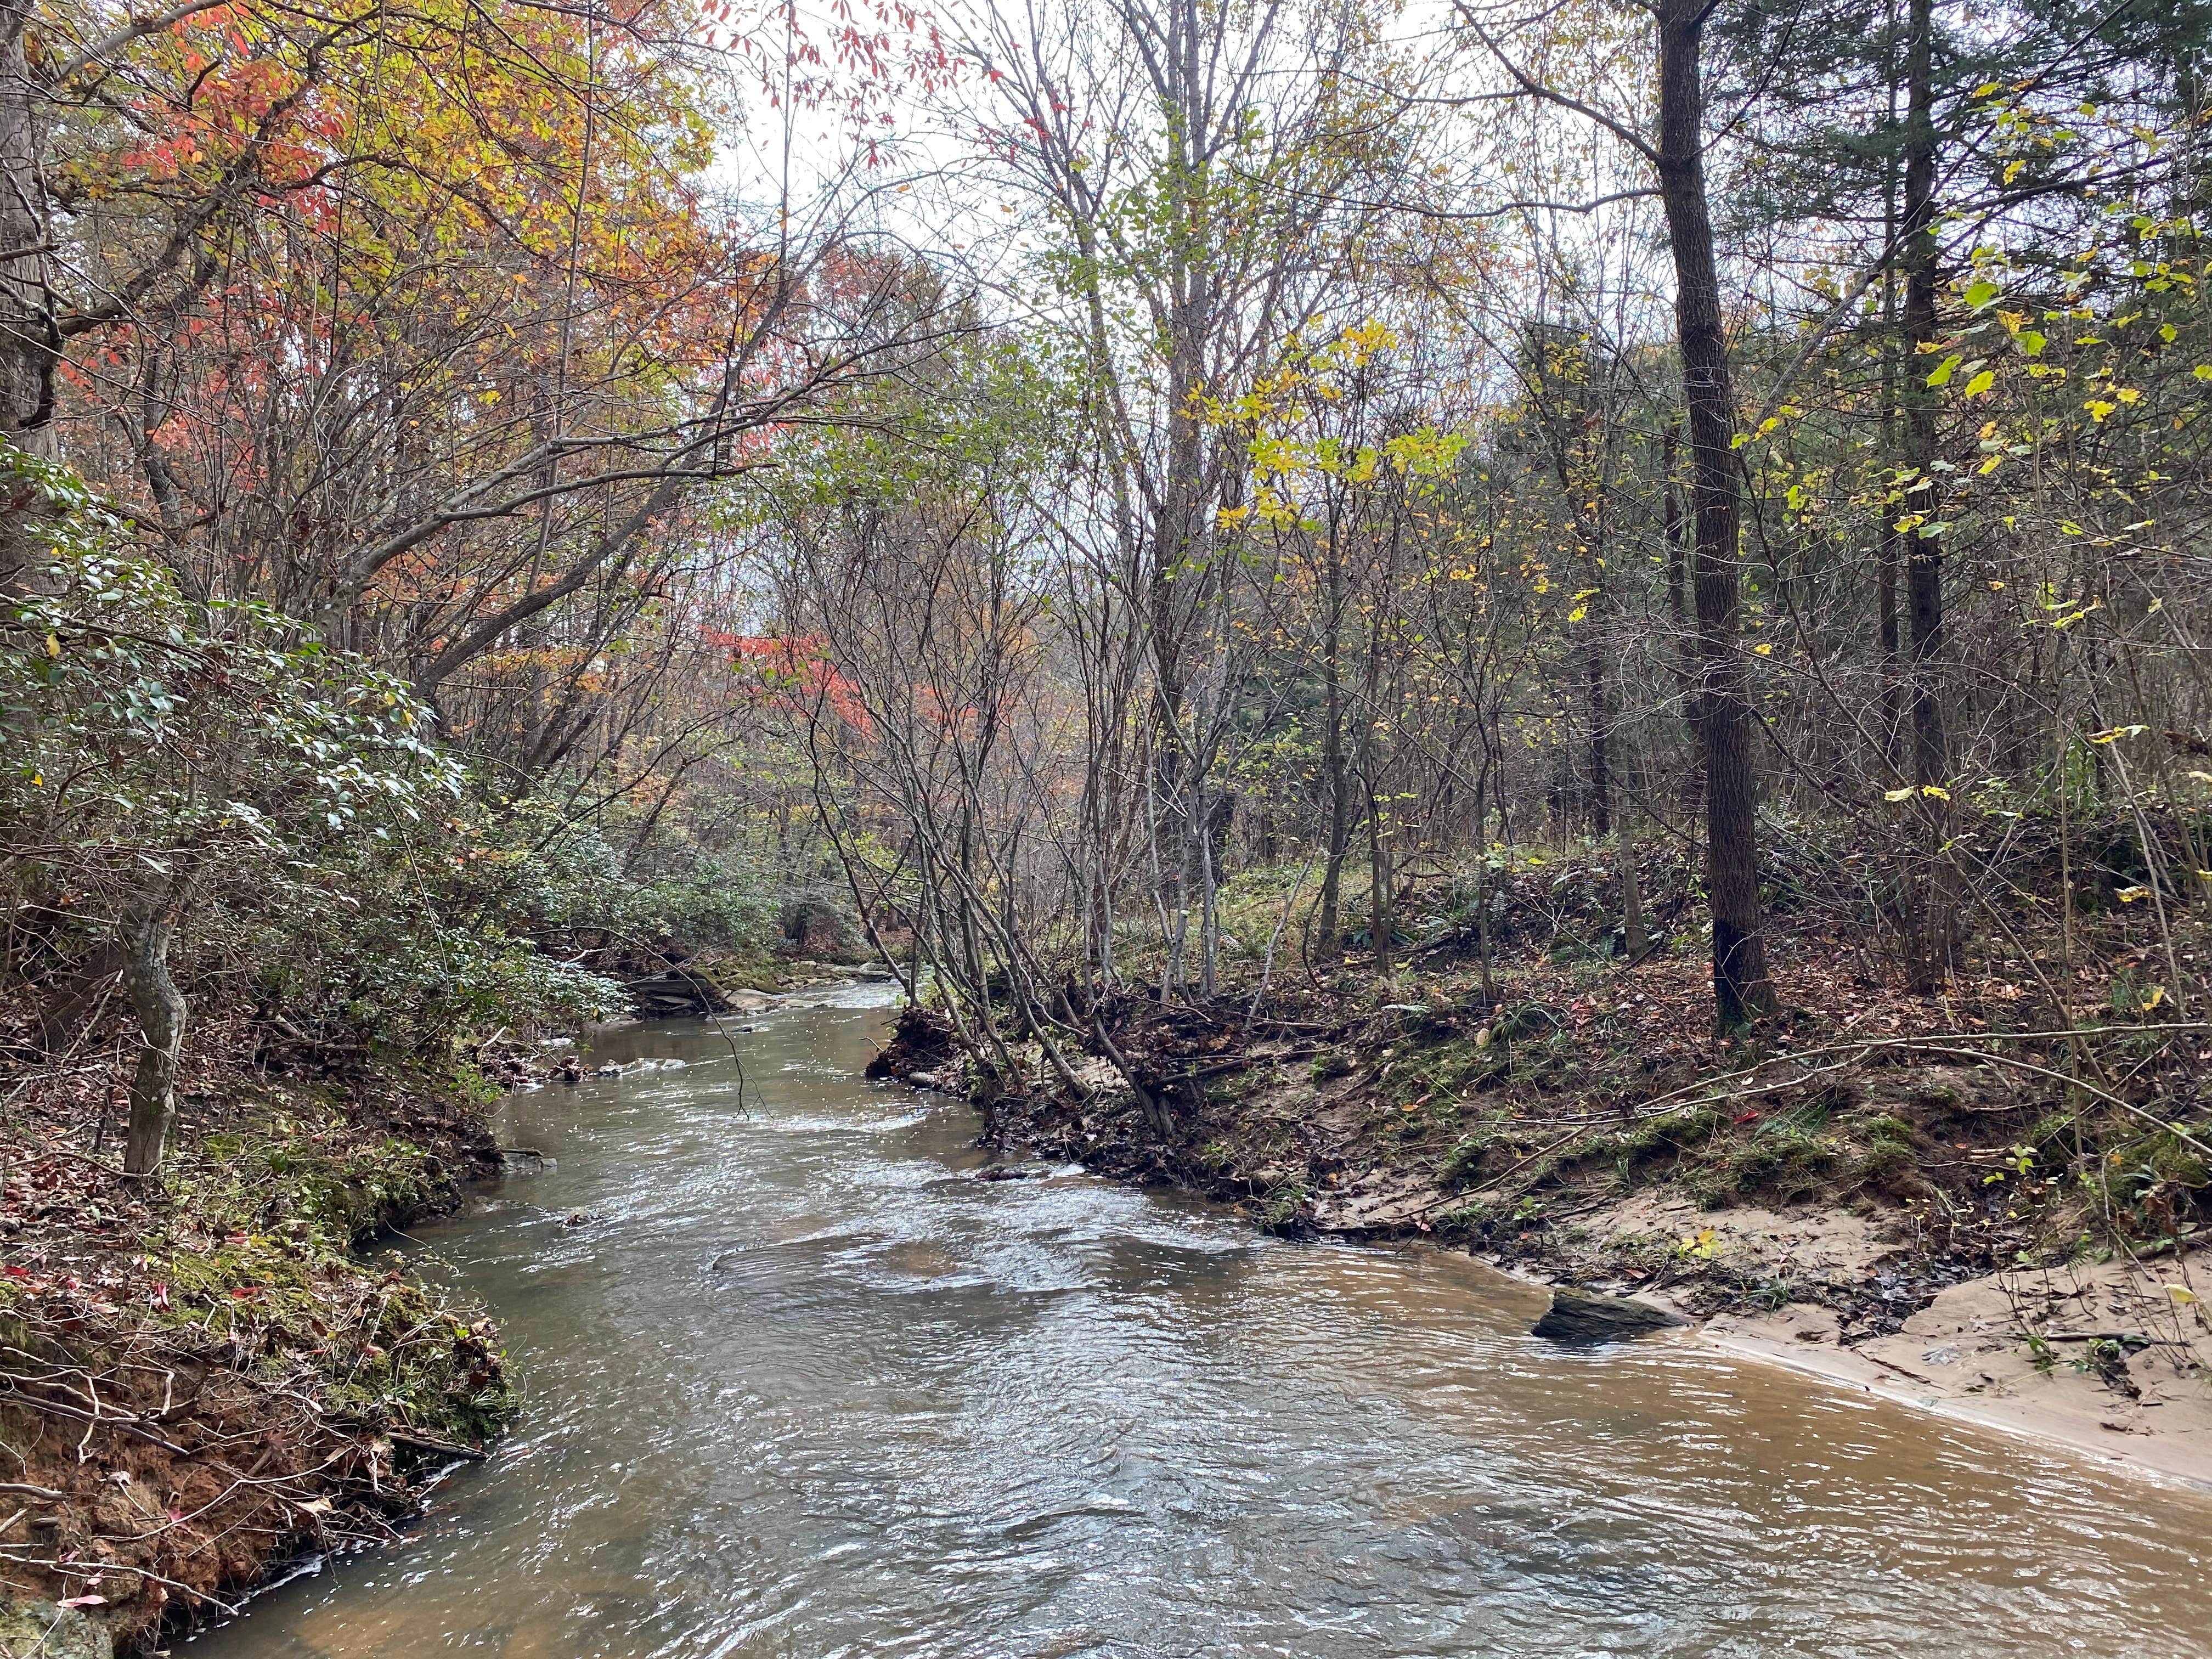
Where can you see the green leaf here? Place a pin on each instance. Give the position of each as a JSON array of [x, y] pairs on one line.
[[1942, 375]]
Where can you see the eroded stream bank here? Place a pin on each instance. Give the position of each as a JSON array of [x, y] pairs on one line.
[[800, 1384]]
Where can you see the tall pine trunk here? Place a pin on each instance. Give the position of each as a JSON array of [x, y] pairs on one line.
[[1741, 988], [1929, 906]]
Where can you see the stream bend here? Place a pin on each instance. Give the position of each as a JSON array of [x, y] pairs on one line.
[[800, 1384]]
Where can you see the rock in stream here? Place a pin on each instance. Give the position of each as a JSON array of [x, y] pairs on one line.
[[1591, 1317]]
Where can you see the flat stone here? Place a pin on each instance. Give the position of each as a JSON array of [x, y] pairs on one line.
[[1590, 1316]]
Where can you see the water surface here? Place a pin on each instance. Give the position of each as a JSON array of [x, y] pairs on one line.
[[803, 1385]]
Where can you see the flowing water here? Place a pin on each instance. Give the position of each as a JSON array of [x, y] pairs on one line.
[[806, 1385]]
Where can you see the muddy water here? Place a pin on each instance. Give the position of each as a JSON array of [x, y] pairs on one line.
[[808, 1388]]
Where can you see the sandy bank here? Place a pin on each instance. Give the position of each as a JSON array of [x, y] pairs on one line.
[[2111, 1358]]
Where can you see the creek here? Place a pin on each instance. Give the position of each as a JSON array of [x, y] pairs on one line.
[[802, 1384]]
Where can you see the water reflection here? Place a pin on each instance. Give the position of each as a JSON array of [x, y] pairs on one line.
[[807, 1387]]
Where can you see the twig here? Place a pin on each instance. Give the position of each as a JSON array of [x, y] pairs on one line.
[[1476, 1192], [443, 1448]]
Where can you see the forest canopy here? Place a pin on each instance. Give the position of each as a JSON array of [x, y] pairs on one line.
[[1151, 496]]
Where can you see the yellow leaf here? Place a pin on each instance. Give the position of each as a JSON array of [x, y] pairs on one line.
[[1897, 794], [1762, 649], [2181, 1293], [2157, 995], [53, 645], [2130, 895], [1933, 791]]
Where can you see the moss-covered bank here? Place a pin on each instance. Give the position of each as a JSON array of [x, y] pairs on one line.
[[204, 1377]]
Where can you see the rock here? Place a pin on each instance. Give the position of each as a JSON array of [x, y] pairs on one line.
[[751, 1002], [1588, 1316], [676, 994]]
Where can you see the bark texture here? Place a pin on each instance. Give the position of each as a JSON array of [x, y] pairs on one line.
[[144, 933], [1741, 988]]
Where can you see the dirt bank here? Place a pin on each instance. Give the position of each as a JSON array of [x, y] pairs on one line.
[[204, 1379], [2109, 1357], [1904, 1194]]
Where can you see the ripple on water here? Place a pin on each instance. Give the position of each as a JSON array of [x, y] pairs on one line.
[[808, 1388]]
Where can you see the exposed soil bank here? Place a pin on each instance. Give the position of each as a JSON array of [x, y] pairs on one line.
[[205, 1378], [2099, 1356], [202, 1379], [1867, 1191]]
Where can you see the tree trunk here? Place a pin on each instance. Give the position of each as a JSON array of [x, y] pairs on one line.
[[1890, 551], [1330, 922], [1381, 919], [1482, 883], [1741, 989], [27, 340], [144, 933], [1634, 938], [1678, 613], [27, 320], [1601, 718], [1928, 907]]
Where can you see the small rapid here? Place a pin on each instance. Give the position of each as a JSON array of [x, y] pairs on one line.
[[799, 1384]]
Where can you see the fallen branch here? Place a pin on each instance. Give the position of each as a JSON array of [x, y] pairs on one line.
[[442, 1448]]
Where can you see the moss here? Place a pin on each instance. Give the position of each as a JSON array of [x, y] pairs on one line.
[[1464, 1162], [1336, 1063], [1885, 1164], [2171, 1158], [1462, 1220], [1679, 1131], [748, 971], [1787, 1162], [259, 1255], [52, 1632], [1286, 1207]]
